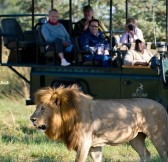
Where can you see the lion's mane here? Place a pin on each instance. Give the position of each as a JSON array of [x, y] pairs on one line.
[[64, 123]]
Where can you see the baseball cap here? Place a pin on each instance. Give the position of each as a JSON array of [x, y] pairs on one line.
[[140, 39], [88, 7]]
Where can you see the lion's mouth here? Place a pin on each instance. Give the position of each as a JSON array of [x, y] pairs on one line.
[[42, 127]]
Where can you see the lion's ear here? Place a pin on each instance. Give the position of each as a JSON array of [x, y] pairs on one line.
[[43, 95], [56, 99]]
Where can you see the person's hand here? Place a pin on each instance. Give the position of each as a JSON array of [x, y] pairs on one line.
[[128, 27], [66, 44], [106, 52], [86, 24], [132, 32], [99, 52], [139, 63], [126, 30]]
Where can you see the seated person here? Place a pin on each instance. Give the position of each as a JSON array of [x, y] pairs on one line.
[[92, 37], [83, 25], [54, 32], [138, 56], [131, 33]]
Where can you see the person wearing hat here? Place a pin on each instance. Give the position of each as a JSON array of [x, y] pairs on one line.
[[83, 24], [139, 55]]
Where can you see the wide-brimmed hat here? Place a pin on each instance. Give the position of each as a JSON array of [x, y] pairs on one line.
[[140, 39], [88, 7]]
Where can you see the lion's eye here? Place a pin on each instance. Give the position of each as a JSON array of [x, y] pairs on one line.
[[42, 109]]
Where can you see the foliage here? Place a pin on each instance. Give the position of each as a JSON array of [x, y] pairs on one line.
[[150, 14]]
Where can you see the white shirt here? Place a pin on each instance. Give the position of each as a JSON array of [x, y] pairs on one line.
[[138, 34], [133, 56]]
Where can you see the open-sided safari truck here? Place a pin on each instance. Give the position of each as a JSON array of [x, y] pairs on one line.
[[27, 48]]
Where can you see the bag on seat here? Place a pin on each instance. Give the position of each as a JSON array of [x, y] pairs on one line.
[[155, 63]]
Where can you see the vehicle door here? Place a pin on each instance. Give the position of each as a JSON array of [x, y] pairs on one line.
[[139, 81]]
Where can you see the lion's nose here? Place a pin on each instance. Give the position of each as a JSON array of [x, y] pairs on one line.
[[33, 119]]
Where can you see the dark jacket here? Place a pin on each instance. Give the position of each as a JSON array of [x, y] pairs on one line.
[[78, 30], [88, 39]]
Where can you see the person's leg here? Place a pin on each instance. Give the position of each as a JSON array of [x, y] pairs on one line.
[[104, 60], [59, 49], [70, 53]]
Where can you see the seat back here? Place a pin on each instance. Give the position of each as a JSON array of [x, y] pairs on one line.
[[67, 24], [40, 38], [12, 31], [77, 45]]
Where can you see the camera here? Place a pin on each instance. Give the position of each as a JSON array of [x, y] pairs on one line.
[[131, 27]]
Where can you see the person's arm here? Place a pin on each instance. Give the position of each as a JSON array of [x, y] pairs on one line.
[[102, 39], [67, 39], [46, 34], [106, 44], [78, 29], [129, 58], [137, 63], [138, 33], [84, 42], [124, 38]]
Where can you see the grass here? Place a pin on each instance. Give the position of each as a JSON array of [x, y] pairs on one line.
[[21, 142]]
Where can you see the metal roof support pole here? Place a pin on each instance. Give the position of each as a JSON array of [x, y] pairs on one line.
[[70, 10], [166, 21], [126, 9], [32, 14], [111, 5], [0, 46], [52, 4]]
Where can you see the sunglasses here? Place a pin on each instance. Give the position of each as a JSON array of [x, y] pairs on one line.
[[94, 26]]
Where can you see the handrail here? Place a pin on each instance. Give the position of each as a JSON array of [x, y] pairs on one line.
[[21, 15], [19, 74]]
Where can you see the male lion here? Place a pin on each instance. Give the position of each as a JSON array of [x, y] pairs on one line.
[[85, 125]]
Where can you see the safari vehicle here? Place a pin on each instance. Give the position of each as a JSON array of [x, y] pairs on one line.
[[102, 83]]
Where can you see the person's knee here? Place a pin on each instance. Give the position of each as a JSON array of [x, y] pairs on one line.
[[59, 45]]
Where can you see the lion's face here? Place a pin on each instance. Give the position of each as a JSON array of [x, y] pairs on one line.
[[40, 118]]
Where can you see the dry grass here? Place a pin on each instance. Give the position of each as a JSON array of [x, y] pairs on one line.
[[11, 85]]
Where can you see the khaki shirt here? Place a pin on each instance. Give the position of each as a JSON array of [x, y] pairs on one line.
[[133, 56]]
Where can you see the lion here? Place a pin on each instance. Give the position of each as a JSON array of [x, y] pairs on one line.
[[85, 124]]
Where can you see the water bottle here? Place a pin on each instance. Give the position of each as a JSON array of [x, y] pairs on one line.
[[100, 49]]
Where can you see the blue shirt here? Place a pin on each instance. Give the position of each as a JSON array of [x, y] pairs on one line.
[[51, 32], [88, 39]]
